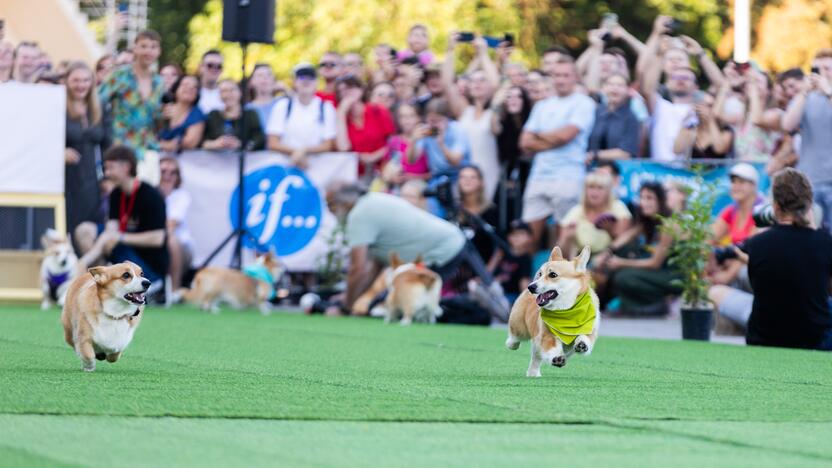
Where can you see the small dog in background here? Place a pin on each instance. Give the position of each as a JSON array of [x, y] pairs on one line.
[[102, 311], [559, 312], [413, 292], [252, 287], [57, 268]]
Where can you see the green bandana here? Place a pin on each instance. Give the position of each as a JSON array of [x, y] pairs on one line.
[[568, 324], [261, 273]]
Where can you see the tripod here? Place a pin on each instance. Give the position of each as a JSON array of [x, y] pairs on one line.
[[239, 230]]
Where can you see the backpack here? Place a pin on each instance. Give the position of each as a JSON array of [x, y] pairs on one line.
[[320, 110]]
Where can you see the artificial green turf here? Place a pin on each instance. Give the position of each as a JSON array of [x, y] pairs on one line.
[[240, 388]]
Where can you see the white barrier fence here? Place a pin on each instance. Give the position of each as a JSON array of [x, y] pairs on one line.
[[285, 206]]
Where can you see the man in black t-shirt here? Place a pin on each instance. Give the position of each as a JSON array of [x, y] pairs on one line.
[[790, 266], [135, 229]]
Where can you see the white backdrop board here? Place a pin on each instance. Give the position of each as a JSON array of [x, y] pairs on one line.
[[285, 206], [32, 126]]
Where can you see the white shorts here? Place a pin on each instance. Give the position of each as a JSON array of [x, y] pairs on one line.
[[544, 198]]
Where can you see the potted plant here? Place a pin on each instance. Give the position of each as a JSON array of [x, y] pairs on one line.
[[691, 233], [332, 265]]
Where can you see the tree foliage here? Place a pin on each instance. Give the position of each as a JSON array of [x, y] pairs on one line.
[[170, 19], [790, 32]]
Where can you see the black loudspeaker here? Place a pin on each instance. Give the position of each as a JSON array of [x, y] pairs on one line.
[[248, 21]]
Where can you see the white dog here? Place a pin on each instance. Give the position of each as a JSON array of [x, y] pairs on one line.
[[57, 269]]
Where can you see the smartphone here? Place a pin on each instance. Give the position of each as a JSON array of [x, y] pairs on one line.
[[434, 132], [815, 71], [609, 20], [604, 218], [509, 37], [123, 7], [674, 26], [492, 42], [465, 37], [743, 67]]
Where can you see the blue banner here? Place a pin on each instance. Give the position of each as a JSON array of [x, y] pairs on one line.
[[636, 172]]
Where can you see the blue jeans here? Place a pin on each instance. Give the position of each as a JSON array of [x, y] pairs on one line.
[[823, 197], [124, 253]]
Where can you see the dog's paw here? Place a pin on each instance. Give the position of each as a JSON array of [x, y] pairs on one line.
[[533, 373], [406, 322], [100, 356], [581, 347], [45, 305], [512, 343], [88, 366], [559, 361]]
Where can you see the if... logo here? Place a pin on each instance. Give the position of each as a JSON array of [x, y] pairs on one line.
[[282, 209]]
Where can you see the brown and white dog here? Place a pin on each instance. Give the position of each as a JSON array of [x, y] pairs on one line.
[[557, 287], [252, 287], [413, 293], [102, 311], [57, 269]]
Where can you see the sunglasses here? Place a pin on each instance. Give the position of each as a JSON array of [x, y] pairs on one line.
[[327, 65], [213, 66]]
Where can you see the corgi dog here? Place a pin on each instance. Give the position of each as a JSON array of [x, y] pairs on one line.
[[57, 268], [252, 287], [413, 292], [102, 311], [559, 312]]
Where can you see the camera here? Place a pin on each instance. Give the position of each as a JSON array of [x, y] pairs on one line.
[[444, 193], [763, 216], [168, 98], [815, 71], [673, 26], [721, 254], [434, 132], [466, 37]]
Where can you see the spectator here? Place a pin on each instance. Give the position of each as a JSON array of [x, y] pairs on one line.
[[789, 266], [596, 221], [811, 113], [442, 140], [26, 58], [331, 67], [516, 73], [637, 264], [512, 108], [703, 135], [734, 224], [224, 129], [757, 129], [404, 88], [177, 204], [677, 195], [6, 61], [184, 122], [210, 69], [538, 86], [475, 208], [550, 58], [354, 65], [474, 115], [791, 82], [362, 127], [417, 45], [86, 136], [263, 88], [304, 124], [170, 75], [135, 230], [401, 148], [384, 95], [103, 67], [433, 86], [514, 268], [616, 132], [385, 57], [134, 96], [557, 132]]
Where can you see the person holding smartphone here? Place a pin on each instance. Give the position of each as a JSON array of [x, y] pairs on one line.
[[810, 112]]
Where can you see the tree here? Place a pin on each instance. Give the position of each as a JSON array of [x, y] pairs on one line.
[[789, 33], [170, 18]]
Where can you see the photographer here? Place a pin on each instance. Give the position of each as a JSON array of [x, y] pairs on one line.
[[790, 266]]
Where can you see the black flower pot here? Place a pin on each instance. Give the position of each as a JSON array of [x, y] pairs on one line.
[[697, 324]]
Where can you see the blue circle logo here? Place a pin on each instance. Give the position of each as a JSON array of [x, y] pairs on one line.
[[282, 209]]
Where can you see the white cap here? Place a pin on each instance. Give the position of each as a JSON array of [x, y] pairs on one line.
[[745, 171]]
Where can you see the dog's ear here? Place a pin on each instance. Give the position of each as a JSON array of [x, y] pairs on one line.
[[556, 255], [419, 260], [395, 261], [582, 260], [99, 274]]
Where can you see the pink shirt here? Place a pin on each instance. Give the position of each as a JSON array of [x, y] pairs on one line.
[[400, 145]]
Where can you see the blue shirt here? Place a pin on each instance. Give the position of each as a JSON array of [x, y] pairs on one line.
[[566, 162], [171, 133], [264, 111], [455, 140]]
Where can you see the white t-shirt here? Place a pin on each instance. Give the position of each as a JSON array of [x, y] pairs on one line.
[[667, 122], [209, 99], [305, 125], [177, 205]]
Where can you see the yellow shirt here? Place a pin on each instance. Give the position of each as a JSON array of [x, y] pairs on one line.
[[568, 324]]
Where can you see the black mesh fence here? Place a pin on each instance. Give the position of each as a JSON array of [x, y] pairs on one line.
[[21, 228]]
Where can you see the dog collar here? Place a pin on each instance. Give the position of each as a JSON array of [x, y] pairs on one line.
[[569, 323]]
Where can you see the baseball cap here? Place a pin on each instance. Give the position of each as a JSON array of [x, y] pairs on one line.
[[305, 70], [745, 171]]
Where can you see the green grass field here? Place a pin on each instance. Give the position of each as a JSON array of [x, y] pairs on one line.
[[240, 389]]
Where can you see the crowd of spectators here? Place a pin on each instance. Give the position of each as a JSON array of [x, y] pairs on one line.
[[530, 153]]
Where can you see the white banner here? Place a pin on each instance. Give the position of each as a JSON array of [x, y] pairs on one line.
[[32, 125], [285, 207]]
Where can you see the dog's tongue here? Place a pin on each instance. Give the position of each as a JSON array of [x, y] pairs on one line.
[[136, 297]]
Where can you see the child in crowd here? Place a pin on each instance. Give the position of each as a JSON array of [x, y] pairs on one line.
[[514, 269], [417, 45]]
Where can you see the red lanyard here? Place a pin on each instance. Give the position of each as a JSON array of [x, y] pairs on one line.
[[126, 208]]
